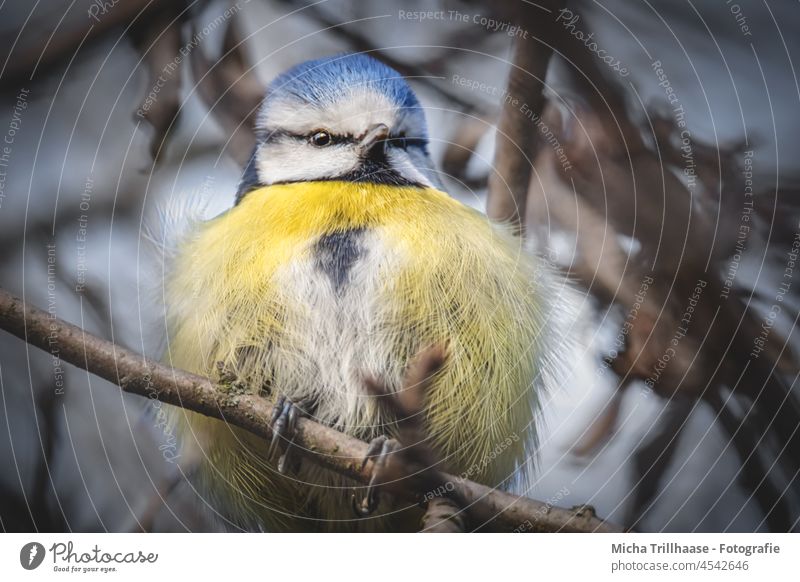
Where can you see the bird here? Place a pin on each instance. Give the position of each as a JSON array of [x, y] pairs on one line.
[[340, 258]]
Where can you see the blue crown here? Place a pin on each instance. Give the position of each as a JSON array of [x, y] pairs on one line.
[[330, 79]]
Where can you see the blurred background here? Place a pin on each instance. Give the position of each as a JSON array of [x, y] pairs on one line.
[[664, 183]]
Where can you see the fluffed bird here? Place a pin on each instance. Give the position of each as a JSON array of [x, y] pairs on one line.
[[342, 258]]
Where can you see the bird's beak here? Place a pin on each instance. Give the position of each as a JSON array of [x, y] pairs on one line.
[[376, 135]]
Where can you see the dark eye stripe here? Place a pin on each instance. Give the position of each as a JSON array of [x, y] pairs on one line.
[[408, 142], [279, 134], [400, 141], [339, 139]]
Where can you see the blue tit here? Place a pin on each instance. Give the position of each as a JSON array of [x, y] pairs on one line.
[[342, 257]]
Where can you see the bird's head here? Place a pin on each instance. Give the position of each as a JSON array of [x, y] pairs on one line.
[[347, 117]]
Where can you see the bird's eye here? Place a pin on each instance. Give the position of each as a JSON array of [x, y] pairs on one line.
[[320, 138]]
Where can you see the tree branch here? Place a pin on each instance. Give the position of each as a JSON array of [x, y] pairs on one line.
[[323, 445], [522, 106]]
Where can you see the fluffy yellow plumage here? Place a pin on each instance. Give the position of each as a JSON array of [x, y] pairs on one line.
[[253, 288]]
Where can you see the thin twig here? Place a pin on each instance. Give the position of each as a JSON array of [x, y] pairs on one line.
[[323, 445]]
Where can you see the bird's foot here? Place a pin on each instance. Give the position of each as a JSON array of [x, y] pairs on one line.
[[285, 415], [379, 451]]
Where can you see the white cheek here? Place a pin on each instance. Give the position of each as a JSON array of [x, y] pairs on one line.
[[288, 162]]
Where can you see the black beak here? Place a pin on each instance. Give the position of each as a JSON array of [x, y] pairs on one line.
[[375, 137]]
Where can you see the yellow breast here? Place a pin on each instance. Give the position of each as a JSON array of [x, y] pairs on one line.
[[434, 271]]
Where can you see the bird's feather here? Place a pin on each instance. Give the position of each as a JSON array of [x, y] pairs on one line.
[[253, 289]]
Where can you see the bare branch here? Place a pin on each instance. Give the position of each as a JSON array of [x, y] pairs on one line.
[[323, 445], [516, 135], [230, 88], [159, 40], [442, 516]]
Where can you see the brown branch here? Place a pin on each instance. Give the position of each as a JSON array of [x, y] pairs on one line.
[[158, 38], [145, 523], [516, 131], [34, 57], [323, 445], [443, 516], [231, 90]]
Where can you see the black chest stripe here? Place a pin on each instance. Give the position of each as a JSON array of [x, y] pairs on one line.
[[336, 253]]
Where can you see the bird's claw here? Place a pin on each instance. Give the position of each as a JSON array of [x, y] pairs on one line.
[[285, 415], [379, 450]]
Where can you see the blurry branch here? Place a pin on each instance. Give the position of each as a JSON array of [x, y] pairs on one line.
[[227, 84], [650, 459], [442, 516], [323, 445], [230, 88], [147, 519], [516, 135], [159, 40], [47, 405], [461, 146], [623, 181], [67, 36]]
